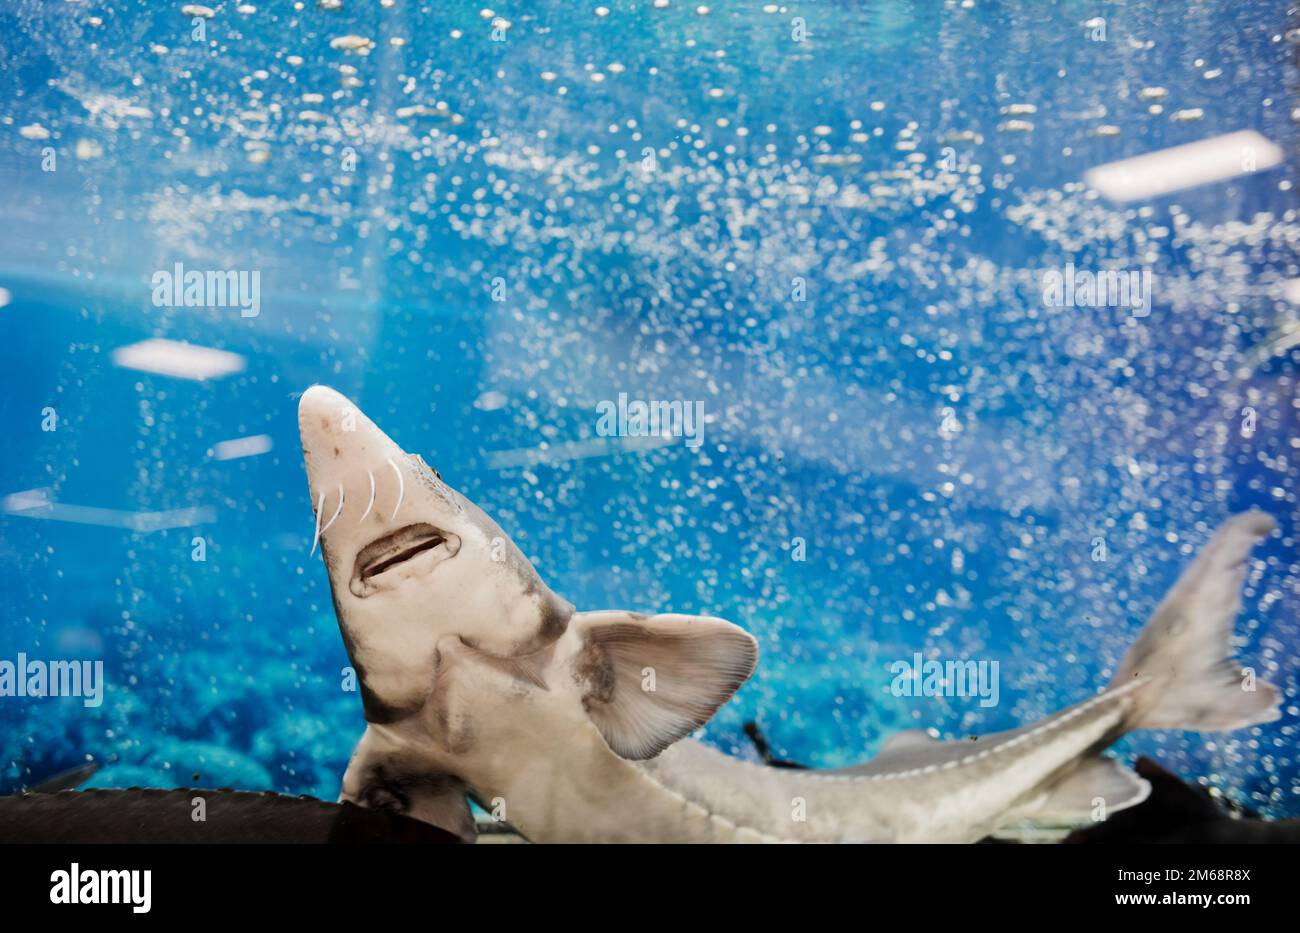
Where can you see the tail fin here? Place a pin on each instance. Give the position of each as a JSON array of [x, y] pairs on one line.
[[1184, 650]]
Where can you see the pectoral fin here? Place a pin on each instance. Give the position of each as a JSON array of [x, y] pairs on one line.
[[381, 779], [651, 680]]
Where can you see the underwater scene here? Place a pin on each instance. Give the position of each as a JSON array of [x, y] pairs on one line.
[[926, 342]]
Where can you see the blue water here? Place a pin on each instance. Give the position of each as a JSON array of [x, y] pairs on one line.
[[946, 446]]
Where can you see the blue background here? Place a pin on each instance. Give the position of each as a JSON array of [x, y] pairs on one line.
[[775, 160]]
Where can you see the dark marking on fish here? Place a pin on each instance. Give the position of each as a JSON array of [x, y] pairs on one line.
[[556, 613], [593, 670]]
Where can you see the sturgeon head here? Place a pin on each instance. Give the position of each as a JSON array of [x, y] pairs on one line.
[[411, 560]]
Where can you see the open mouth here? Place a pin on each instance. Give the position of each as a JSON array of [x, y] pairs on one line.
[[381, 557]]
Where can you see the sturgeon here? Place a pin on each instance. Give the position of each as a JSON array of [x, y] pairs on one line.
[[478, 682]]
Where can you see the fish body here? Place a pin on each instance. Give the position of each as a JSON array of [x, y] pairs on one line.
[[573, 726], [959, 791]]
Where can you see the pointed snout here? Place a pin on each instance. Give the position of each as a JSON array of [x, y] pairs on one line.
[[349, 460], [336, 435], [320, 402]]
